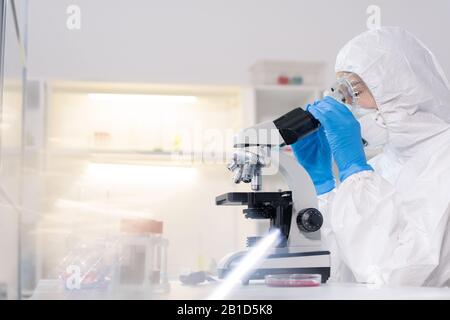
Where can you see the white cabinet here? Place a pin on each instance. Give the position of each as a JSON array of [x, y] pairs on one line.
[[266, 99]]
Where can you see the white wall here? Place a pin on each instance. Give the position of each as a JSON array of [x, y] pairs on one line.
[[210, 41]]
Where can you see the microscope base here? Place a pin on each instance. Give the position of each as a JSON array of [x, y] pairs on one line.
[[315, 262]]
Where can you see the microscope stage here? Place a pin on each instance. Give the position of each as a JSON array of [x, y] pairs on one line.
[[243, 198]]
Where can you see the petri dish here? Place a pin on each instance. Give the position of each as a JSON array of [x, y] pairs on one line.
[[293, 280]]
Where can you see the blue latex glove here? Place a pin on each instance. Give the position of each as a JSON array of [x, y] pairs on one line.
[[343, 133], [314, 154]]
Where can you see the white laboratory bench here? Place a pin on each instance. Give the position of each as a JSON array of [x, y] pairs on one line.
[[53, 289]]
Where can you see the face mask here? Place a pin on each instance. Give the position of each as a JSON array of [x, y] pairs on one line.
[[373, 130], [359, 111]]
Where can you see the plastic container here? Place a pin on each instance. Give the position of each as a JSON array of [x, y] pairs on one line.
[[143, 255], [88, 265], [293, 280]]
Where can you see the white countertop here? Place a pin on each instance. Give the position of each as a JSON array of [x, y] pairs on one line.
[[53, 289]]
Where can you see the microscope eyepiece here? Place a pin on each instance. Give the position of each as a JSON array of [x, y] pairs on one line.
[[295, 125]]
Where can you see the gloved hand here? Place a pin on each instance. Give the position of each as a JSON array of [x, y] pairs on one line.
[[343, 133], [314, 154]]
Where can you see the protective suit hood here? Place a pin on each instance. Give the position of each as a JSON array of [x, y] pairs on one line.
[[392, 225], [408, 85]]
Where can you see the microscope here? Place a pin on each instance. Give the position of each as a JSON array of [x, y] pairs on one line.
[[294, 212]]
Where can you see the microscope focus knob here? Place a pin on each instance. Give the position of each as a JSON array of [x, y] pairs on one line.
[[309, 220]]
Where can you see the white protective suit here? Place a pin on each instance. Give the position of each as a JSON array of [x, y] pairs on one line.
[[391, 226]]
